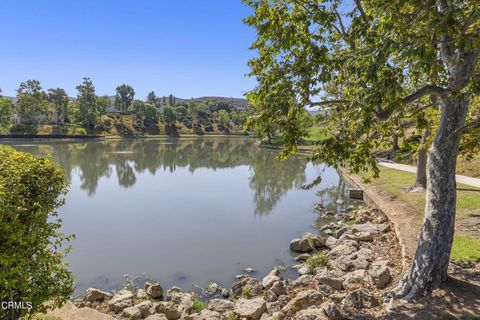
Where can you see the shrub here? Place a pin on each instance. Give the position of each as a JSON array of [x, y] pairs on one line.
[[31, 246], [316, 261], [198, 305], [81, 131]]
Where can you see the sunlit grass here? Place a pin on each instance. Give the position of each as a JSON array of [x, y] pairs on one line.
[[396, 183], [317, 133], [466, 248]]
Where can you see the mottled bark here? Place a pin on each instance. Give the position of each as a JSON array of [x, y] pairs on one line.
[[429, 268]]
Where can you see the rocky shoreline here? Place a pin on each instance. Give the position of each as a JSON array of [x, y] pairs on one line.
[[343, 273]]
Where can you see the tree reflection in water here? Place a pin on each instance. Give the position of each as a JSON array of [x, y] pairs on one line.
[[270, 178]]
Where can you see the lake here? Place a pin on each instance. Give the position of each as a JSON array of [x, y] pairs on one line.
[[182, 212]]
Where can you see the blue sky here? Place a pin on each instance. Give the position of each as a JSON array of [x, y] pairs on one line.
[[189, 48]]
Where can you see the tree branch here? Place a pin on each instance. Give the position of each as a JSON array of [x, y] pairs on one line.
[[423, 91], [469, 125], [431, 90], [362, 12]]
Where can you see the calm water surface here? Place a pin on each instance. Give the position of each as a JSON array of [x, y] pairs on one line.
[[183, 212]]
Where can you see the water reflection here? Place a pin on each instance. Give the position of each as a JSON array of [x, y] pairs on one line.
[[270, 179], [184, 212]]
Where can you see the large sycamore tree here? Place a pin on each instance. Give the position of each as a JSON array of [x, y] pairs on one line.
[[373, 62]]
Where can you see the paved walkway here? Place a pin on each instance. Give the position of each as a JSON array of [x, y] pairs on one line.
[[469, 181]]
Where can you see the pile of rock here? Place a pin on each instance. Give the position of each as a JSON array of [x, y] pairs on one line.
[[349, 283]]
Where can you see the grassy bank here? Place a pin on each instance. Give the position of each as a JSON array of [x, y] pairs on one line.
[[465, 247], [112, 126]]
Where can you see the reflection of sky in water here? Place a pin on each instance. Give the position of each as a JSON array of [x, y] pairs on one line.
[[184, 213]]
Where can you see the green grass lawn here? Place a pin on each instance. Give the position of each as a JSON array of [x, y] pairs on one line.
[[468, 201], [316, 133]]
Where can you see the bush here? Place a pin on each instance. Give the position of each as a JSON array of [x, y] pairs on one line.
[[81, 131], [31, 265], [198, 305], [316, 261]]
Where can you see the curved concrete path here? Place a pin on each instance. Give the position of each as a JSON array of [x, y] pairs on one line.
[[469, 181]]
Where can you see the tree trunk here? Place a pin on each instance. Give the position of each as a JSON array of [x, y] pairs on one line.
[[429, 268], [395, 147], [422, 155]]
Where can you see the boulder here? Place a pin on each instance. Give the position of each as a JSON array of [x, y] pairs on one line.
[[360, 298], [146, 308], [301, 281], [204, 315], [307, 243], [141, 294], [121, 300], [220, 305], [132, 313], [333, 311], [250, 309], [344, 249], [302, 257], [331, 242], [356, 279], [380, 274], [383, 227], [311, 314], [169, 309], [271, 278], [278, 287], [94, 295], [340, 232], [303, 300], [304, 269], [153, 290], [365, 227], [247, 287], [274, 316], [330, 279], [361, 236], [156, 316], [173, 292], [213, 288], [270, 296], [225, 293]]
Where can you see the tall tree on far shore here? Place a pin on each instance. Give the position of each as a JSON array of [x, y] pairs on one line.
[[89, 109], [6, 111], [123, 99], [169, 116], [170, 100], [59, 98], [373, 68], [32, 103], [104, 102], [152, 98]]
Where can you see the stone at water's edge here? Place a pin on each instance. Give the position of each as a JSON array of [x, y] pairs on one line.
[[307, 243], [94, 295], [121, 300], [153, 290], [251, 309]]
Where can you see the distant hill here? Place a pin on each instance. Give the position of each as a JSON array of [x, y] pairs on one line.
[[235, 101]]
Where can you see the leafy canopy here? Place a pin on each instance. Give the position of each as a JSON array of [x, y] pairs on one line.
[[369, 64]]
